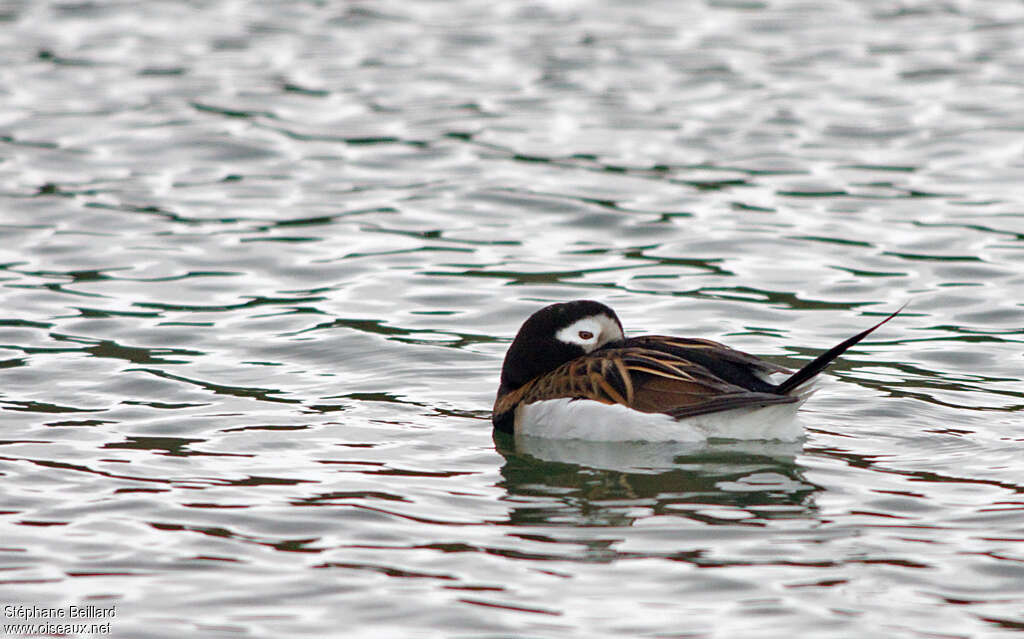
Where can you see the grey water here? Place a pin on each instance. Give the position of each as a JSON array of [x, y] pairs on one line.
[[260, 262]]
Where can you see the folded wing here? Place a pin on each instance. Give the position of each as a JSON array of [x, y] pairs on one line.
[[659, 375]]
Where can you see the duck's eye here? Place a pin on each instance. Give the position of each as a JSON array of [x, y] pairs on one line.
[[585, 335]]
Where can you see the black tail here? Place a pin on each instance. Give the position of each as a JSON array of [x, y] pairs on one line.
[[819, 363]]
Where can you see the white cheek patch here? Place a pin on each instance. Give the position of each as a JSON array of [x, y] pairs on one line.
[[571, 333], [602, 329], [610, 330]]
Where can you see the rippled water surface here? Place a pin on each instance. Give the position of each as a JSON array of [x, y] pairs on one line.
[[260, 263]]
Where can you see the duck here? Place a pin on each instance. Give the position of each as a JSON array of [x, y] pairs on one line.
[[571, 373]]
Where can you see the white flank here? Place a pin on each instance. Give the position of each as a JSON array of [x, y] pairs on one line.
[[593, 421]]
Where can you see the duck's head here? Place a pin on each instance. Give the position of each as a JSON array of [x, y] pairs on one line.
[[555, 335]]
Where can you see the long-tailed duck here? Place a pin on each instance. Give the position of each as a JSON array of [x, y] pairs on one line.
[[571, 373]]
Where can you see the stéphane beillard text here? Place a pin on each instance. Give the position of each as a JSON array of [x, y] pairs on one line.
[[70, 611]]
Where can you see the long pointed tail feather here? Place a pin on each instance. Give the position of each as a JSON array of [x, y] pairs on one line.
[[819, 363]]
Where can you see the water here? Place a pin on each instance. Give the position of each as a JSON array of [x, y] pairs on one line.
[[261, 261]]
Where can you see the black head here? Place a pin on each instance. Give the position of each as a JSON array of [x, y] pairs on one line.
[[554, 335]]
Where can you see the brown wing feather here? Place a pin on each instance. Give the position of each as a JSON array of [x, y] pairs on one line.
[[646, 380], [713, 350], [682, 388]]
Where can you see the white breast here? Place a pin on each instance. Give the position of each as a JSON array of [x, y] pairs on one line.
[[594, 421]]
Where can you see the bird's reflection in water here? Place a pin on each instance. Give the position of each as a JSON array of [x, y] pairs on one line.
[[582, 483]]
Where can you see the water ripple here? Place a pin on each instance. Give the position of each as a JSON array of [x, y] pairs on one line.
[[261, 264]]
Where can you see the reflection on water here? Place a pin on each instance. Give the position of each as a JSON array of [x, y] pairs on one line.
[[579, 483], [260, 263]]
